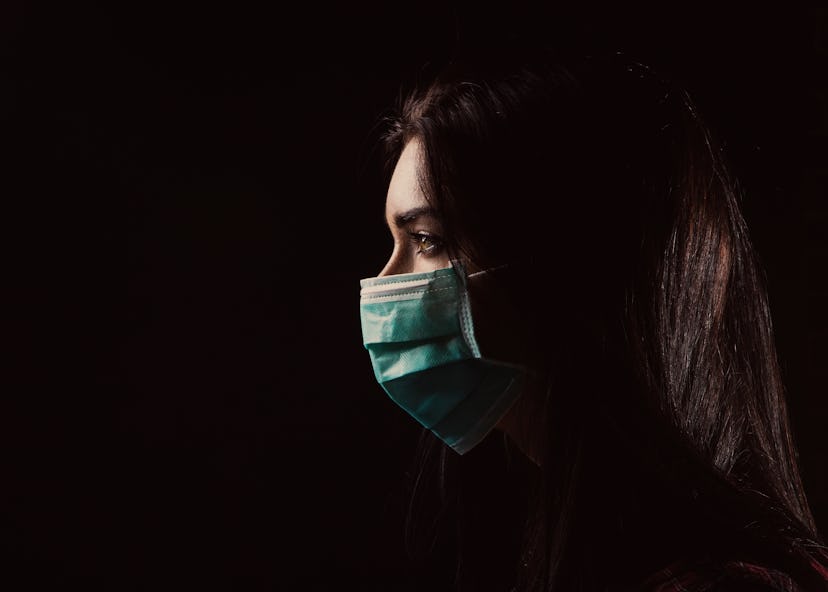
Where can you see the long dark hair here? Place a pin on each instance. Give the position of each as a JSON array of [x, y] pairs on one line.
[[662, 421]]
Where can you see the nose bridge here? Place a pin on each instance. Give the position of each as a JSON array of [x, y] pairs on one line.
[[393, 265]]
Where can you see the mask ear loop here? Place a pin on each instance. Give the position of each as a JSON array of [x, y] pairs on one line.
[[488, 271]]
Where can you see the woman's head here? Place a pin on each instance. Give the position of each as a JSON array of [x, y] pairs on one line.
[[536, 168], [626, 278], [596, 189]]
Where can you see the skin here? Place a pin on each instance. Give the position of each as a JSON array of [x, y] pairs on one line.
[[419, 246], [417, 233]]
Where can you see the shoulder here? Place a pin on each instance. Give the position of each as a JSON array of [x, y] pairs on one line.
[[708, 576], [740, 575]]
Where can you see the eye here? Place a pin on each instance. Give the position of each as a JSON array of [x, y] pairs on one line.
[[426, 243]]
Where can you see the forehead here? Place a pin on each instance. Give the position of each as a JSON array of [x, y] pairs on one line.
[[404, 191]]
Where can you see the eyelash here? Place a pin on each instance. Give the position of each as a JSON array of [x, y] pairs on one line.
[[418, 238]]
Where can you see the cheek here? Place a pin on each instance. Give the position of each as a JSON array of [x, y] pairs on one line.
[[440, 261], [500, 329]]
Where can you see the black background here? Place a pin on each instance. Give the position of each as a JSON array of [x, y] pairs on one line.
[[191, 195]]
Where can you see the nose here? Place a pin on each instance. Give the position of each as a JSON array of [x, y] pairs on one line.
[[394, 265]]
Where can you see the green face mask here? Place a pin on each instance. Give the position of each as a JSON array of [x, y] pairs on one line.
[[418, 330]]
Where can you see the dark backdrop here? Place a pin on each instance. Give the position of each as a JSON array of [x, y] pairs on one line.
[[191, 196]]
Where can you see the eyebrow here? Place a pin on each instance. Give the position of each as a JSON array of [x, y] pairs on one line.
[[407, 216]]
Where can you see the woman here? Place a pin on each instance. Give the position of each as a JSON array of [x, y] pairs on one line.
[[571, 268]]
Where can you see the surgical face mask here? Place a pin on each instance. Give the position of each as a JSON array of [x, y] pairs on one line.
[[419, 332]]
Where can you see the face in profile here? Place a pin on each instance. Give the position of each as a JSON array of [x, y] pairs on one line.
[[418, 236], [423, 330]]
